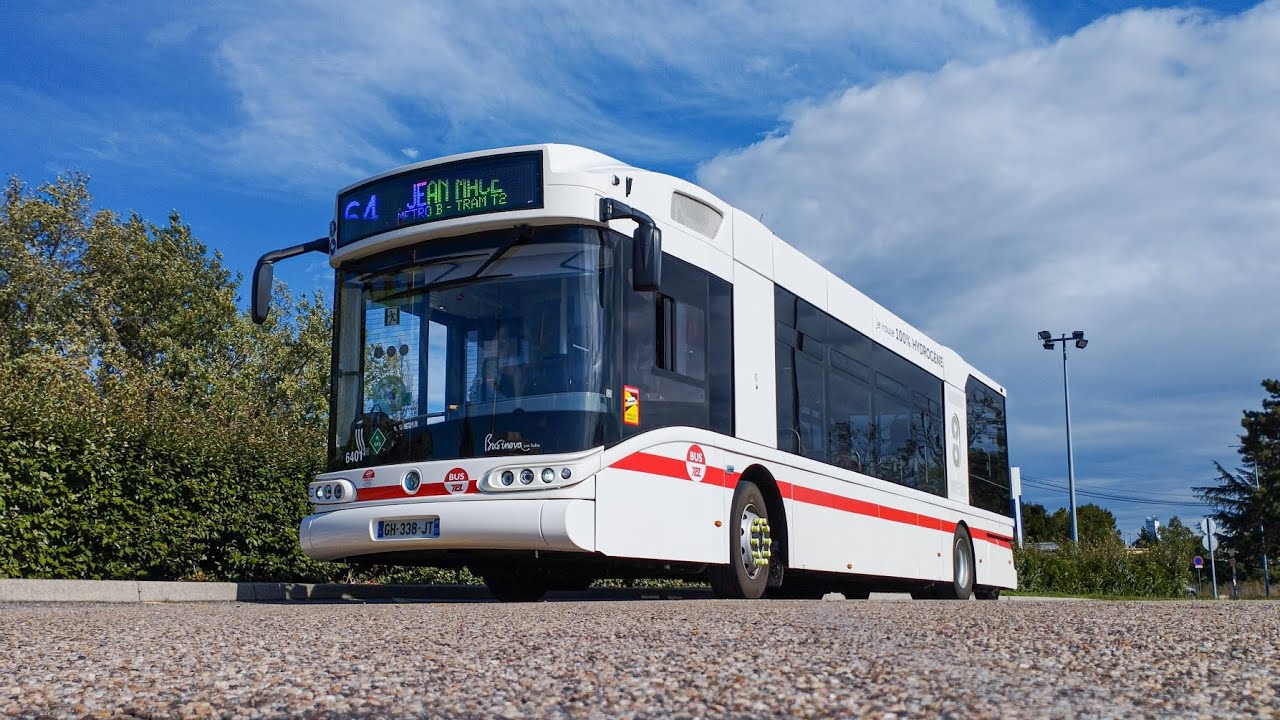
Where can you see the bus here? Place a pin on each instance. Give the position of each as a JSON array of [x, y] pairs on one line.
[[550, 367]]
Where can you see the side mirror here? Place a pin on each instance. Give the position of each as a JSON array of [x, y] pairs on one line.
[[646, 250], [263, 273], [646, 258]]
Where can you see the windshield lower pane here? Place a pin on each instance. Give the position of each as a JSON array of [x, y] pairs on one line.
[[491, 344]]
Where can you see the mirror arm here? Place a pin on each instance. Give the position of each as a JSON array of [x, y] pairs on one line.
[[260, 299], [317, 245], [611, 209]]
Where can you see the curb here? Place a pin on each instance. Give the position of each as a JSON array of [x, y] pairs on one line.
[[130, 591], [144, 591], [152, 591]]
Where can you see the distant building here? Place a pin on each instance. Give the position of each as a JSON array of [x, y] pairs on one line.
[[1153, 527]]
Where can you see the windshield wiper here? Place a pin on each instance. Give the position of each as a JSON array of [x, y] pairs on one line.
[[525, 235]]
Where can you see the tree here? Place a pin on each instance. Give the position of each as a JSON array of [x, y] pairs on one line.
[[1096, 524], [1035, 524], [148, 429], [1145, 539], [1247, 499]]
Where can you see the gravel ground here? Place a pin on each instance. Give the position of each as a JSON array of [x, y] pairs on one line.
[[689, 658]]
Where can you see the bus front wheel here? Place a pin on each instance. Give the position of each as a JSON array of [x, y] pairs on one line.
[[750, 547]]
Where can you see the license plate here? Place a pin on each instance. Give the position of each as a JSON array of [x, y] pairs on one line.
[[406, 528]]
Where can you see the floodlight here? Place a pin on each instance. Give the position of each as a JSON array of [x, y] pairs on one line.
[[1050, 343]]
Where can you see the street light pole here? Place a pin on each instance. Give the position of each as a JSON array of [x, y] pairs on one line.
[[1049, 341]]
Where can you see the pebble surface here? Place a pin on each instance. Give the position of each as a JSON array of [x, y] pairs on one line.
[[605, 659]]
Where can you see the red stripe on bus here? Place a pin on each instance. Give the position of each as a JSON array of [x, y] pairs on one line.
[[673, 468], [396, 492], [381, 492], [824, 499], [1003, 541]]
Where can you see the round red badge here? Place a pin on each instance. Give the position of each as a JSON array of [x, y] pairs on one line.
[[695, 463], [456, 481]]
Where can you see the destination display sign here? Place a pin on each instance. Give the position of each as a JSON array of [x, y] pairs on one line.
[[497, 183]]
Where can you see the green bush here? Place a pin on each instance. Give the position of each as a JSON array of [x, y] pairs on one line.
[[94, 487], [148, 430], [1106, 569]]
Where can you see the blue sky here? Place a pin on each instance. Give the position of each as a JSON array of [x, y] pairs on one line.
[[985, 169]]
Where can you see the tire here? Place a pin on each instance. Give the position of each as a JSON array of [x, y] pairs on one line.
[[508, 585], [742, 578], [963, 568], [986, 593]]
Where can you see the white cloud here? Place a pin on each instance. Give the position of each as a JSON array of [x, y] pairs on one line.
[[330, 93], [1122, 181], [411, 153]]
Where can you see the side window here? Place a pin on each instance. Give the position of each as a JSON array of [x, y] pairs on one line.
[[680, 338], [788, 432], [786, 342], [908, 406], [989, 485], [678, 350], [848, 401], [810, 383], [800, 334], [849, 433]]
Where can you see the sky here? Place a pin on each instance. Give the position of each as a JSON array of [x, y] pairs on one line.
[[985, 169]]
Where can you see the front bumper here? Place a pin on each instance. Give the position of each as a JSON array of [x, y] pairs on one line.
[[562, 525]]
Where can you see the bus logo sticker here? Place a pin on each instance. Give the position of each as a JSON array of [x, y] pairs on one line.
[[368, 477], [456, 481], [695, 463], [630, 405]]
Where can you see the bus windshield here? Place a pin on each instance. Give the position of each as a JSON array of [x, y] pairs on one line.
[[487, 344]]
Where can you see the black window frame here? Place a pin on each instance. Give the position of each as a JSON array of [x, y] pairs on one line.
[[652, 315], [803, 333], [993, 494]]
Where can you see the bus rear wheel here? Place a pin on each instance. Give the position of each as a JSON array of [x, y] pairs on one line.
[[750, 547], [962, 568]]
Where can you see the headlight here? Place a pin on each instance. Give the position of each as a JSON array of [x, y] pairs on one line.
[[328, 492], [548, 475], [508, 477], [526, 476]]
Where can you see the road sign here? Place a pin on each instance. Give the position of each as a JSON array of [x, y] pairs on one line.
[[1197, 561], [1208, 528]]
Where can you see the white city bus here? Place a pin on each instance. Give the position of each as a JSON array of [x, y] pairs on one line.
[[551, 367]]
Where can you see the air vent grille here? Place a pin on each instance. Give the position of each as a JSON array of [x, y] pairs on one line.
[[696, 215]]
